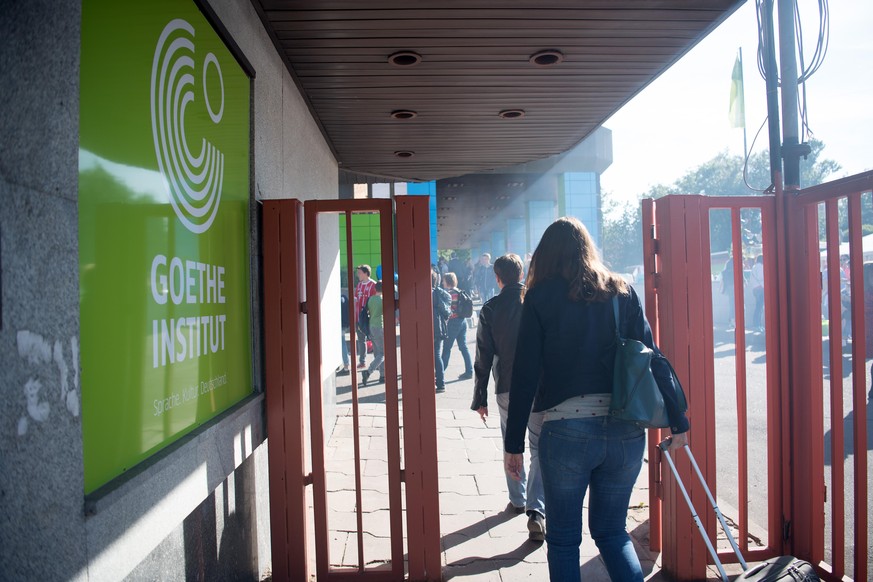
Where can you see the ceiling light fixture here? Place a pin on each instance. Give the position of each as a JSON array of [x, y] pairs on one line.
[[404, 154], [547, 58], [404, 59], [404, 114], [511, 114]]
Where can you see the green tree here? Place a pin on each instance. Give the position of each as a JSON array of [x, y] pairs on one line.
[[720, 176], [622, 233]]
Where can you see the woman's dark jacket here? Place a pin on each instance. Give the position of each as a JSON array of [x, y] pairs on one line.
[[567, 348], [442, 309], [496, 336]]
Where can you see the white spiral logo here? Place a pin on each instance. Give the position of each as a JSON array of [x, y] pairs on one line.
[[194, 182]]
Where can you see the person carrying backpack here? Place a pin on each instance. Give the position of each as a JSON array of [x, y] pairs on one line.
[[442, 309], [457, 329]]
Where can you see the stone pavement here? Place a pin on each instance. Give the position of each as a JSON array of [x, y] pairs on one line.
[[481, 540]]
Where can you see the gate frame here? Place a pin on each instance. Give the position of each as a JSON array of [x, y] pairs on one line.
[[677, 293], [808, 476], [285, 222], [793, 316]]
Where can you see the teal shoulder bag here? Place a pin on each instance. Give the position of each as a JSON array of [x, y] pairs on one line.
[[636, 396]]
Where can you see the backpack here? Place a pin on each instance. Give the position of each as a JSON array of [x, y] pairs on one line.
[[364, 319], [465, 304]]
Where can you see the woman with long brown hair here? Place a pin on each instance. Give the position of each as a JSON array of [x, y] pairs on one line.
[[563, 367]]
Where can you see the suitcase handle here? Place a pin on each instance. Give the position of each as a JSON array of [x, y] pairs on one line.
[[665, 446]]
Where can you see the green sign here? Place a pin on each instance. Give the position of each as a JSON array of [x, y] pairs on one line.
[[163, 229]]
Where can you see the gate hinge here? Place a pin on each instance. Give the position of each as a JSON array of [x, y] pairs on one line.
[[303, 307], [786, 530], [403, 475], [659, 490], [307, 479], [656, 246]]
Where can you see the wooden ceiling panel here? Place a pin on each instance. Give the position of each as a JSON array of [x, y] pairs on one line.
[[474, 63]]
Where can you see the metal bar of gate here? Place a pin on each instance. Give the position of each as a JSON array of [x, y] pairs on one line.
[[392, 393], [773, 316], [283, 349], [654, 437], [419, 398], [859, 387], [353, 357], [740, 364], [316, 408], [835, 352]]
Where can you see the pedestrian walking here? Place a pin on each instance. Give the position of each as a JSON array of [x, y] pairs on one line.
[[495, 351], [563, 367]]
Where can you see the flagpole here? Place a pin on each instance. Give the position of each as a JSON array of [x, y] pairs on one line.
[[745, 143]]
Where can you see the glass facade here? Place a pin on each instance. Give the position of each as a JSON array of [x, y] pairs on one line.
[[427, 189], [498, 244], [540, 214], [579, 197], [516, 236]]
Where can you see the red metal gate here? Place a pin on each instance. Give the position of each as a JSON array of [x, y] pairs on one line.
[[831, 498], [681, 305], [805, 491], [284, 246]]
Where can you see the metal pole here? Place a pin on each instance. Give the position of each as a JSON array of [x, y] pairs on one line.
[[788, 73], [745, 140], [772, 83]]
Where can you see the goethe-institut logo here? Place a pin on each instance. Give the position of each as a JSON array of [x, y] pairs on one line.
[[194, 180]]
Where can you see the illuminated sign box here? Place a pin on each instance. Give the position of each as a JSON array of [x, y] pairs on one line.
[[164, 273]]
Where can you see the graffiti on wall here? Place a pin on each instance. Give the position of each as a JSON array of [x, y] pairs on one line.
[[55, 370]]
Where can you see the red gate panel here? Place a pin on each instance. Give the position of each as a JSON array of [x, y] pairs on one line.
[[806, 499], [285, 222], [682, 315]]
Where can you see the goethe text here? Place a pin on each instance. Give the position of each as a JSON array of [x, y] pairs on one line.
[[186, 282]]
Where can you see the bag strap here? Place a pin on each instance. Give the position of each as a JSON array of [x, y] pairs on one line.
[[615, 315]]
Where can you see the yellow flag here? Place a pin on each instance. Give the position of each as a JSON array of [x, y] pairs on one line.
[[737, 112]]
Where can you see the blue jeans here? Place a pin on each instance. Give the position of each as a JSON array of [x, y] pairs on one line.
[[528, 492], [457, 330], [345, 348], [438, 362], [605, 456]]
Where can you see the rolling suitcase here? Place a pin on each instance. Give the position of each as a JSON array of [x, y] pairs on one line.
[[783, 568]]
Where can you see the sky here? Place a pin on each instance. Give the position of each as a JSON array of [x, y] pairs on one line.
[[681, 120]]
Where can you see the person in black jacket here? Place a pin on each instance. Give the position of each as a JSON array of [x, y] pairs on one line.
[[495, 350], [563, 366], [442, 309]]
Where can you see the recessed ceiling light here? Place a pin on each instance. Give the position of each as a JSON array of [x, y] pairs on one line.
[[511, 114], [404, 154], [404, 114], [547, 58], [404, 59]]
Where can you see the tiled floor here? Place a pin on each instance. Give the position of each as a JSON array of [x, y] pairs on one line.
[[481, 541]]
